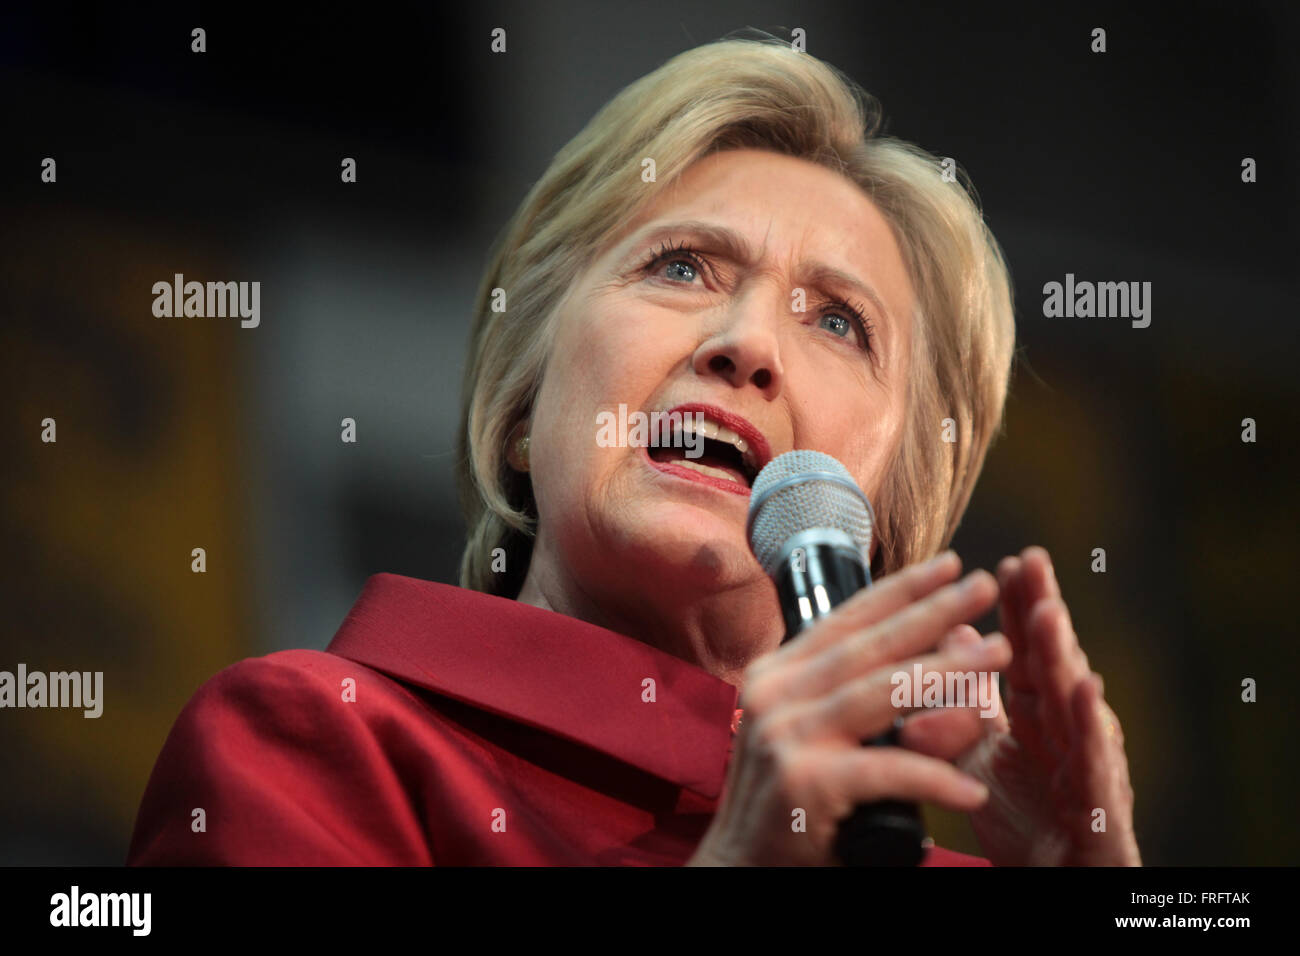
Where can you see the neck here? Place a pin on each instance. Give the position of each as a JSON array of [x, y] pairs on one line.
[[720, 631]]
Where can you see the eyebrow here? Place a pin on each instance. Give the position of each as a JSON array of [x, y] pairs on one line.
[[734, 246]]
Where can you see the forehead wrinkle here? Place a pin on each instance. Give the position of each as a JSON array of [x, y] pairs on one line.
[[732, 239], [819, 274]]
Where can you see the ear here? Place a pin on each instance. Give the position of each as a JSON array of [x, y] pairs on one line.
[[516, 450]]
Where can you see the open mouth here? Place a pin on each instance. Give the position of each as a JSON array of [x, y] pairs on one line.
[[723, 454]]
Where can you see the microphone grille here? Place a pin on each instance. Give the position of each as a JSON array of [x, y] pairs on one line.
[[802, 490]]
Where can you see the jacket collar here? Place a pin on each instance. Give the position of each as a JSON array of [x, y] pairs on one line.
[[574, 679]]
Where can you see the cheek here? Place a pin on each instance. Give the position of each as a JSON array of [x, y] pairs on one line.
[[616, 346], [562, 441], [858, 421], [881, 440], [597, 364], [630, 339]]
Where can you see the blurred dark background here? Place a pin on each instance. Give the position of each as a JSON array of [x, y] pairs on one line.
[[183, 433]]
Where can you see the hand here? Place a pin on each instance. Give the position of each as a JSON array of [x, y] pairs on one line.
[[809, 704], [1060, 756]]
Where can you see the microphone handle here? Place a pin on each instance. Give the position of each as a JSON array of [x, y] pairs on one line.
[[817, 578]]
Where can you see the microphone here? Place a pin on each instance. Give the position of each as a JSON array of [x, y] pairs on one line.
[[810, 527]]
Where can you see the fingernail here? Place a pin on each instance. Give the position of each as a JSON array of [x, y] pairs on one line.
[[995, 643], [984, 650], [975, 789]]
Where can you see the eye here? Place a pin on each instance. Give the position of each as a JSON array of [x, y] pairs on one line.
[[682, 262], [846, 321], [837, 324]]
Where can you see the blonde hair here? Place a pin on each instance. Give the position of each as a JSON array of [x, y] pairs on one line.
[[731, 94]]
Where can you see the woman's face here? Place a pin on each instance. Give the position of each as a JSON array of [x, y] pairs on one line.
[[747, 237]]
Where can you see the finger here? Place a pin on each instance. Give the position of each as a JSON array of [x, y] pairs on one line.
[[1056, 668], [1100, 768], [995, 719], [917, 627], [1026, 723], [1040, 576], [866, 774], [1100, 717], [1029, 579], [1012, 620], [1090, 745], [1008, 573], [873, 604], [866, 707], [946, 732], [963, 635]]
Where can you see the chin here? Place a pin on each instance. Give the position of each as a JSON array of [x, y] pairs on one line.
[[683, 544]]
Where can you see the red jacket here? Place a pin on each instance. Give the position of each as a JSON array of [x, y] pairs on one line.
[[444, 726]]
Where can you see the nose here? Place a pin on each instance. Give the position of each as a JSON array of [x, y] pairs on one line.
[[743, 348]]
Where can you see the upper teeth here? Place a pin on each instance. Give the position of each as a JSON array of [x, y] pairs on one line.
[[711, 429]]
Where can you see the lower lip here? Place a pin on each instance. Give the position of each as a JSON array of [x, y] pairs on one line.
[[690, 474]]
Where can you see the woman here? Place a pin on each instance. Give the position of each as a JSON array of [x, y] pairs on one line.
[[728, 238]]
